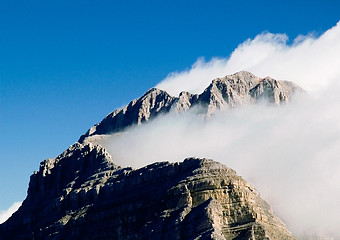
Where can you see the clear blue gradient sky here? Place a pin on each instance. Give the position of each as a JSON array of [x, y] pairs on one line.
[[64, 65]]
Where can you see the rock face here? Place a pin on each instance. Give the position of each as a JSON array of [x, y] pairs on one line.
[[241, 88], [83, 194]]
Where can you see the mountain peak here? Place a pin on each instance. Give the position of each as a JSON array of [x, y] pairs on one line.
[[154, 91], [193, 199], [83, 194], [240, 88], [243, 74]]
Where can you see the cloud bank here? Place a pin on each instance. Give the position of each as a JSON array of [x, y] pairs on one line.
[[311, 62], [289, 153], [5, 214]]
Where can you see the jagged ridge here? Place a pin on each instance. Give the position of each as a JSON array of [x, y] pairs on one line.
[[83, 194], [194, 199], [241, 88]]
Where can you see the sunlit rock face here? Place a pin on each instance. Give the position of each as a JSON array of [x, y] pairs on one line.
[[231, 91], [193, 199], [84, 194]]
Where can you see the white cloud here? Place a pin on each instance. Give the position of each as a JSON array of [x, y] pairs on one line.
[[312, 62], [5, 214], [290, 153]]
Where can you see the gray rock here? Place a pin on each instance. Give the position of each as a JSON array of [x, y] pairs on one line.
[[83, 194], [241, 88], [194, 199], [152, 103]]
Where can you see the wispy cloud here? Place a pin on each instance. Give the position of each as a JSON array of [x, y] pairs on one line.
[[5, 214], [312, 62], [290, 153]]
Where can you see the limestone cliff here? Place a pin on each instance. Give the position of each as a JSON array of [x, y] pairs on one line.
[[82, 194]]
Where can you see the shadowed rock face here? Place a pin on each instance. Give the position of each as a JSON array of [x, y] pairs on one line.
[[241, 88], [82, 195]]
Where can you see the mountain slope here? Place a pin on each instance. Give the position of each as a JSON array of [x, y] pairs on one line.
[[83, 194], [194, 199], [241, 88]]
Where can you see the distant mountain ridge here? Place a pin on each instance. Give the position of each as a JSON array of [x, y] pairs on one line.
[[241, 88], [84, 194]]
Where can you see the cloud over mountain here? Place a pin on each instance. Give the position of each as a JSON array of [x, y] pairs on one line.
[[310, 61], [5, 214], [289, 153]]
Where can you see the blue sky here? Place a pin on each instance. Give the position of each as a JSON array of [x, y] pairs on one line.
[[64, 65]]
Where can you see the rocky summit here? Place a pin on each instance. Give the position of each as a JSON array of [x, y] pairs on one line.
[[83, 194], [231, 91]]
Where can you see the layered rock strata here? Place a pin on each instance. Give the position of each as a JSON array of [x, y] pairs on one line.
[[82, 194]]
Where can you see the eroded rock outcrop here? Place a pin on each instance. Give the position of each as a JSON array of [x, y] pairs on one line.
[[194, 199]]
